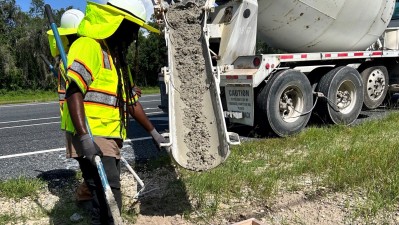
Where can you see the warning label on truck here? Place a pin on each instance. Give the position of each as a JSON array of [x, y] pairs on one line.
[[240, 104]]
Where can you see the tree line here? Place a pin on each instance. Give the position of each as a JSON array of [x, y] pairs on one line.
[[23, 39]]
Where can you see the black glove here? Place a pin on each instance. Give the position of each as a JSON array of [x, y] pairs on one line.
[[89, 148]]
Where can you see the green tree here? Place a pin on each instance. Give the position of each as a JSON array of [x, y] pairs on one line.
[[9, 73], [36, 8], [23, 40], [151, 57]]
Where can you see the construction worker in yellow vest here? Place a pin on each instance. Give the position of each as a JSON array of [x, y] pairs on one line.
[[101, 92], [70, 21]]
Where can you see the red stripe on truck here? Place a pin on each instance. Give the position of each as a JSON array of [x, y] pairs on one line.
[[377, 53], [358, 54], [342, 54], [304, 56], [232, 77], [287, 57]]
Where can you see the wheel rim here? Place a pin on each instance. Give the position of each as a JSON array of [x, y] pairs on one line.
[[346, 97], [291, 104], [375, 84]]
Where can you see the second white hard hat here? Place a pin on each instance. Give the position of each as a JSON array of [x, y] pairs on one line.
[[70, 21]]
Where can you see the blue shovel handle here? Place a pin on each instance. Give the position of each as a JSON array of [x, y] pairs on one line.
[[58, 41], [51, 67]]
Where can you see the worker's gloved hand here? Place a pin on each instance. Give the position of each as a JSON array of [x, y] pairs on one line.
[[89, 148], [157, 138], [137, 91]]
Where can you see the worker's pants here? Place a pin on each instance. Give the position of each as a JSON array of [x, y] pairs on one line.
[[101, 213]]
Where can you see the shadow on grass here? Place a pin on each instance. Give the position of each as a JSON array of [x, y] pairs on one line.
[[164, 194], [62, 183]]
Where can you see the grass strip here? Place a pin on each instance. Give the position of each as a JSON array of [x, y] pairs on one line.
[[26, 96], [21, 187], [339, 158]]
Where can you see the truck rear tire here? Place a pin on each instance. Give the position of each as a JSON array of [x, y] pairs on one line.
[[375, 81], [284, 103], [343, 88], [315, 75]]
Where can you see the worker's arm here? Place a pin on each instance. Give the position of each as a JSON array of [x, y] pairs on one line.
[[137, 112], [74, 99]]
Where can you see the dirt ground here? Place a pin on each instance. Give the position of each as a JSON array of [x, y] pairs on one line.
[[165, 201], [310, 205]]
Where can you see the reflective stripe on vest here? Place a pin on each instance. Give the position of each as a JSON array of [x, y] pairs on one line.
[[79, 68], [106, 60], [61, 96], [102, 98], [99, 88]]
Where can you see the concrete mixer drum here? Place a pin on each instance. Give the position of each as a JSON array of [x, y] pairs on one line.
[[314, 25]]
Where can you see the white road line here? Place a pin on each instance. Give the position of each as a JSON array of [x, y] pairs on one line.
[[29, 125], [48, 103], [154, 113], [17, 121], [127, 141], [40, 124], [27, 104], [31, 153], [151, 108]]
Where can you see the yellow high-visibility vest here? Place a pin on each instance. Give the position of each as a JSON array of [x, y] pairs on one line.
[[91, 67], [61, 86]]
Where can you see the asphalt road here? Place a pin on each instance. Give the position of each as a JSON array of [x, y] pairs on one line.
[[31, 141]]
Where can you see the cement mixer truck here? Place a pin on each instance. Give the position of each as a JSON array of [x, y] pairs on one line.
[[335, 58]]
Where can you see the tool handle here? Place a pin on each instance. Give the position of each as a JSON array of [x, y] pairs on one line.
[[139, 181], [46, 61], [49, 13], [51, 67], [109, 196], [60, 46]]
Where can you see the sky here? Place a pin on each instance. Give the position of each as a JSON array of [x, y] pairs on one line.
[[77, 4]]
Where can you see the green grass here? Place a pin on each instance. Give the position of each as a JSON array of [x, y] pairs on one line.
[[20, 187], [150, 90], [5, 219], [8, 97], [339, 158]]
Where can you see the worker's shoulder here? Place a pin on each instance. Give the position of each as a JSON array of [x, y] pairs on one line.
[[86, 43], [86, 50]]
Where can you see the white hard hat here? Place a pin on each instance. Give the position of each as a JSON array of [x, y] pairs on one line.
[[70, 21], [71, 18], [135, 7]]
